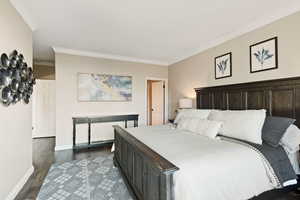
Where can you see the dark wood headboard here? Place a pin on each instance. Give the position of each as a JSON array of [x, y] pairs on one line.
[[280, 97]]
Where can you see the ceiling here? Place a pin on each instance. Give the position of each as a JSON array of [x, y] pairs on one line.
[[151, 31]]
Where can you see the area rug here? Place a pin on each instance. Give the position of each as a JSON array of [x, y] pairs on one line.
[[87, 179]]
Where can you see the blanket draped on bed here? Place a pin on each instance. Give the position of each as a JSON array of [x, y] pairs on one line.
[[276, 157]]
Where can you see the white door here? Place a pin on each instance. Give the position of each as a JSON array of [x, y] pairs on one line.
[[43, 104], [157, 102]]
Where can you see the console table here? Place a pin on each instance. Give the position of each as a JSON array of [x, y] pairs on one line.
[[100, 119]]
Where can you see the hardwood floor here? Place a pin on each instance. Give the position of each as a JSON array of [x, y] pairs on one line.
[[44, 156]]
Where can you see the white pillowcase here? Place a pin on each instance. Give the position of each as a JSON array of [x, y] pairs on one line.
[[187, 123], [244, 125], [291, 139], [200, 126], [195, 113]]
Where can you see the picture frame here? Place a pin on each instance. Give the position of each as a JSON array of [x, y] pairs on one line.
[[264, 55], [93, 87], [223, 66]]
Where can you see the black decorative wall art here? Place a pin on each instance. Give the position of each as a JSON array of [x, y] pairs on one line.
[[16, 79]]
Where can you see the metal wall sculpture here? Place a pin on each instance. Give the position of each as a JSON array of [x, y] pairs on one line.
[[16, 79]]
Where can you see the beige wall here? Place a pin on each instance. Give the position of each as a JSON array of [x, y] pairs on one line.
[[67, 106], [15, 120], [44, 72], [198, 70]]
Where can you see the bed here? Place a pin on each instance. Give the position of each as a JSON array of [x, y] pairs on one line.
[[152, 172]]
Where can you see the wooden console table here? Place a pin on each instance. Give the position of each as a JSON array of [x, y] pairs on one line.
[[100, 119]]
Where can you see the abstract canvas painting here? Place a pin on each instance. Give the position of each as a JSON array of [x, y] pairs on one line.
[[223, 66], [263, 55], [102, 87]]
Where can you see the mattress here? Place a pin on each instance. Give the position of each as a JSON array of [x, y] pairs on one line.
[[211, 169]]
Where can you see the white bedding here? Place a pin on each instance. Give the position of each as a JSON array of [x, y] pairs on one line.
[[210, 169]]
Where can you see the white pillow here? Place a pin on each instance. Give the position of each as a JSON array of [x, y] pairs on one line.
[[195, 113], [291, 139], [200, 126], [244, 125], [187, 123]]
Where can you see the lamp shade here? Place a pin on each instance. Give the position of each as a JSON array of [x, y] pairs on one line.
[[185, 103]]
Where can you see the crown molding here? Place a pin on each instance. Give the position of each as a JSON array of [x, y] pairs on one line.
[[263, 21], [24, 14], [106, 56]]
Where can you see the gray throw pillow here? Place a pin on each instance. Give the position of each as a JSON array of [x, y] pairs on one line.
[[274, 129]]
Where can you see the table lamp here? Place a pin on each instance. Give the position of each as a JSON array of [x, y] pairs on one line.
[[185, 103]]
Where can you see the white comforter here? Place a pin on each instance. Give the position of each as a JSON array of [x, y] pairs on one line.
[[210, 169]]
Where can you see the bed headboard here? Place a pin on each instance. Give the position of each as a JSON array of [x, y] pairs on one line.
[[280, 97]]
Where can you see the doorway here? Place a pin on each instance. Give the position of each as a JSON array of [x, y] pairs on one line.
[[43, 109], [156, 102]]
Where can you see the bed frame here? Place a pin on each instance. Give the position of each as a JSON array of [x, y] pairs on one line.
[[149, 176], [280, 97]]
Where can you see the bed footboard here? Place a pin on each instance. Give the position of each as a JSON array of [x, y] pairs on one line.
[[147, 175]]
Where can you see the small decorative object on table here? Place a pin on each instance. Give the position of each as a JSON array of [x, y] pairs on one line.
[[264, 56], [16, 79], [171, 121]]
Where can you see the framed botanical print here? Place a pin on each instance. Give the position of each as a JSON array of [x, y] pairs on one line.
[[223, 66], [264, 55]]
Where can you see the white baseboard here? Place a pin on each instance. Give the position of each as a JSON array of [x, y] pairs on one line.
[[12, 195], [43, 136], [63, 147]]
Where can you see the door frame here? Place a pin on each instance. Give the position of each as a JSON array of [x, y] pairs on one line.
[[33, 114], [166, 106]]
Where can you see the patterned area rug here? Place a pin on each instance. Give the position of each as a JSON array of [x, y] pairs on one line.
[[88, 179]]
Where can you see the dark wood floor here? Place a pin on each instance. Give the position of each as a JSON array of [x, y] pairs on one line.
[[44, 156]]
